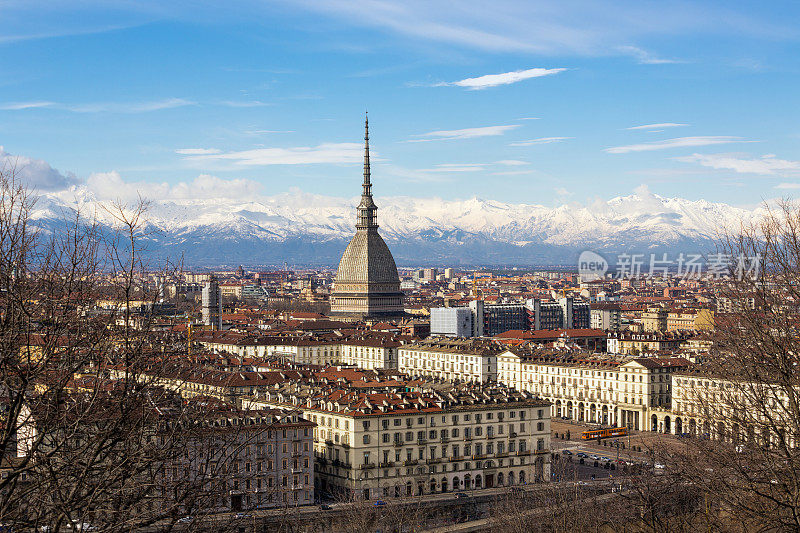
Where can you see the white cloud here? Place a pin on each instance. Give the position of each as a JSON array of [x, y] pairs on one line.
[[561, 191], [103, 107], [244, 103], [540, 140], [35, 173], [558, 28], [511, 162], [467, 133], [16, 106], [788, 186], [660, 125], [197, 151], [513, 172], [767, 164], [303, 155], [111, 186], [456, 167], [506, 78], [646, 58], [680, 142], [131, 107]]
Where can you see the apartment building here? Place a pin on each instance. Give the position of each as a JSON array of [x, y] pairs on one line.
[[191, 380], [690, 320], [364, 350], [471, 360], [602, 389], [607, 317], [635, 343], [654, 319], [564, 313], [398, 438], [230, 460], [370, 353], [490, 319], [711, 406]]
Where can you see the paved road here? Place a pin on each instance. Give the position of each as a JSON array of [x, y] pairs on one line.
[[481, 499], [487, 524]]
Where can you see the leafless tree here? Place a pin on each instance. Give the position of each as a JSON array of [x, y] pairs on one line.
[[85, 436], [743, 404]]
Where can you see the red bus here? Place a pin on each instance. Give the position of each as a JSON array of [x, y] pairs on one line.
[[604, 433]]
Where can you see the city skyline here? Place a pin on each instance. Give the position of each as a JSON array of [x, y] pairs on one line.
[[541, 105]]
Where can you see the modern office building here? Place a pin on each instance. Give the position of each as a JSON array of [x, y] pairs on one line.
[[451, 321]]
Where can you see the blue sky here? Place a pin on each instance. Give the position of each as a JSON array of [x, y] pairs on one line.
[[535, 102]]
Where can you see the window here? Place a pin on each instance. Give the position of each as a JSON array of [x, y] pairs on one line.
[[366, 439]]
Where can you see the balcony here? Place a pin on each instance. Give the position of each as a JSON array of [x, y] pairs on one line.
[[388, 464], [411, 462], [433, 461], [423, 440], [367, 466], [491, 436], [524, 452], [297, 470], [399, 443], [466, 437], [444, 439], [512, 435], [456, 457], [297, 453], [328, 442]]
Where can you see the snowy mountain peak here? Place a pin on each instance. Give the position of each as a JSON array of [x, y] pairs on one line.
[[298, 226]]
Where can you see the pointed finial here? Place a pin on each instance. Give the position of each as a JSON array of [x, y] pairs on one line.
[[367, 186]]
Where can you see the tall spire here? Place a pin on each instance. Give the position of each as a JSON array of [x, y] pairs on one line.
[[367, 210], [367, 185]]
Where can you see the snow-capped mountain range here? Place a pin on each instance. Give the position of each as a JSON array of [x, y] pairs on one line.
[[302, 228]]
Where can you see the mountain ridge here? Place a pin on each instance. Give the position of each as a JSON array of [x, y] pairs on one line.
[[303, 228]]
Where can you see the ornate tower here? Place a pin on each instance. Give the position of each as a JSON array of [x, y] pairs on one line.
[[367, 284]]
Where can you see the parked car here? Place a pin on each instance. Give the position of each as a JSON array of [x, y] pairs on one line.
[[325, 507], [566, 452], [379, 503], [461, 495], [582, 455]]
